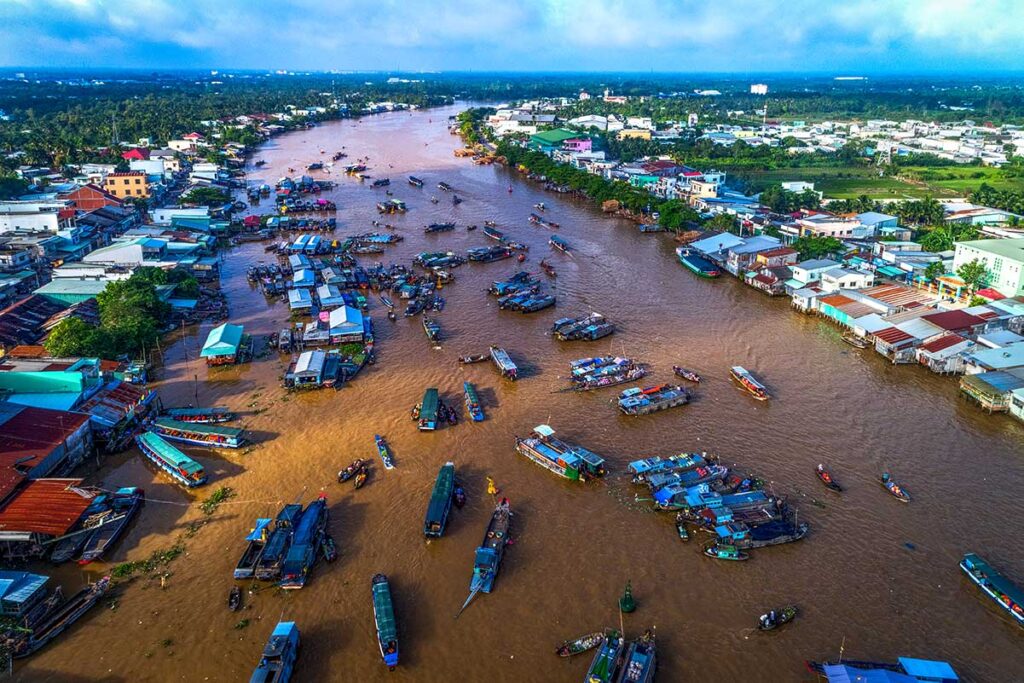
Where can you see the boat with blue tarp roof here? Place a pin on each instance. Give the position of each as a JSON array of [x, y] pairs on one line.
[[256, 541], [564, 459], [279, 655]]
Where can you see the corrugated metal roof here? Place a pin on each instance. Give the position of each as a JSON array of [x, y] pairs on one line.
[[836, 300], [45, 506], [920, 328], [943, 342], [34, 432], [897, 295], [953, 320], [893, 336]]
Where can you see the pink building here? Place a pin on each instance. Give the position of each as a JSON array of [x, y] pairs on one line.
[[577, 145]]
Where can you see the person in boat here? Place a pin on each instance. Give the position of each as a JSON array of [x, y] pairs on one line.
[[825, 475], [768, 620]]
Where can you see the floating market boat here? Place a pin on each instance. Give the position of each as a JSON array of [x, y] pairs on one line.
[[384, 451], [559, 243], [381, 182], [256, 541], [855, 341], [894, 489], [357, 466], [328, 548], [600, 380], [587, 366], [725, 552], [235, 599], [182, 468], [476, 411], [826, 478], [211, 435], [305, 545], [504, 363], [579, 645], [439, 227], [415, 182], [640, 660], [494, 233], [698, 264], [748, 382], [201, 415], [432, 329], [459, 496], [268, 565], [70, 545], [440, 502], [427, 417], [564, 459], [684, 535], [586, 328], [608, 660], [644, 469], [59, 619], [279, 655], [384, 619], [907, 670], [360, 479], [776, 618], [124, 504], [548, 268], [386, 300], [995, 585], [688, 375], [487, 560], [637, 401]]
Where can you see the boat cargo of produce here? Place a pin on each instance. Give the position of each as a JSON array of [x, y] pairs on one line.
[[637, 401], [607, 661], [212, 435], [182, 468], [487, 560], [994, 585], [748, 382], [504, 363], [697, 264], [440, 502], [564, 459]]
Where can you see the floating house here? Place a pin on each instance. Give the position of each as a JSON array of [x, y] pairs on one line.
[[20, 591], [223, 345], [299, 300], [311, 370], [346, 325], [303, 277]]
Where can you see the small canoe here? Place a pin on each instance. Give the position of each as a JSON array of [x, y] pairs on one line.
[[826, 478], [352, 470], [386, 300], [360, 479], [384, 451], [782, 617], [475, 358], [328, 548], [894, 489], [689, 375], [235, 599], [579, 645], [684, 535], [725, 552], [459, 496]]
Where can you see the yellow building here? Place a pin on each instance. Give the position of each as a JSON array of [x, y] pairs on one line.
[[127, 185], [634, 133]]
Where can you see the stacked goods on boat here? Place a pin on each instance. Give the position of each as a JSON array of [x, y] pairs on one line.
[[564, 459], [518, 283], [212, 435], [637, 401], [304, 549], [586, 328], [997, 587], [604, 371]]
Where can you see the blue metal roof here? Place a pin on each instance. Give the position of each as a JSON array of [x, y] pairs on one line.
[[928, 669]]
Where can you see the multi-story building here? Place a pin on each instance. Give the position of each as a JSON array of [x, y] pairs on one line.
[[1004, 259], [127, 185]]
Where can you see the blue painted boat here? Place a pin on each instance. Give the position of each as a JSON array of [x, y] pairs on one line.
[[440, 502], [608, 660], [487, 560], [697, 263], [182, 468], [993, 584], [384, 452], [124, 504], [640, 661], [256, 541], [279, 655], [268, 566], [637, 401], [643, 469], [384, 619], [559, 243], [564, 459], [305, 545], [476, 411]]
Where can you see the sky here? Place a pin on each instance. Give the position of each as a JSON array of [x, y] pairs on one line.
[[746, 36]]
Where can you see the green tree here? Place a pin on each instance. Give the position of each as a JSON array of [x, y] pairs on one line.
[[813, 246], [205, 196], [974, 273], [934, 271], [69, 337]]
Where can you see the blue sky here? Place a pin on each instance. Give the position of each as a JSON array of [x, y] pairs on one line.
[[851, 36]]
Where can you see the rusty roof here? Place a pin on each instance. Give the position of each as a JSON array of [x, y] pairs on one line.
[[893, 336], [836, 300], [45, 506], [943, 342], [33, 433], [953, 320], [897, 295]]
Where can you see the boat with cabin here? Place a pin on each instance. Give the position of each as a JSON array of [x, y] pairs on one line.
[[279, 655], [640, 660], [747, 380], [58, 620], [305, 545], [427, 418], [697, 263], [720, 551], [255, 541], [201, 415], [124, 504], [179, 466], [504, 363], [384, 620], [570, 461], [643, 470], [488, 556], [637, 401], [211, 435], [608, 660], [439, 227], [268, 565], [440, 502], [1005, 594], [473, 406]]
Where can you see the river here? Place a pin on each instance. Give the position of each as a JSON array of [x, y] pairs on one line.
[[854, 577]]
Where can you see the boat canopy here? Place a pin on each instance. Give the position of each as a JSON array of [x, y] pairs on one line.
[[215, 411], [441, 498], [928, 669], [259, 530], [429, 408], [994, 578], [170, 454]]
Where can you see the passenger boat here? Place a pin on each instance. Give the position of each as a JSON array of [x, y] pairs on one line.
[[123, 505], [572, 462], [211, 435], [475, 358], [855, 341], [603, 380], [201, 415], [782, 617], [59, 619], [725, 552], [352, 470], [559, 243], [698, 264], [268, 565], [494, 233], [384, 619], [608, 660], [488, 557], [747, 381], [182, 468], [689, 375], [826, 478], [279, 655], [579, 645], [432, 329], [476, 411], [427, 418], [894, 489], [995, 585], [440, 502], [640, 660], [637, 401], [235, 599], [504, 363], [415, 182], [305, 545], [384, 451], [256, 541]]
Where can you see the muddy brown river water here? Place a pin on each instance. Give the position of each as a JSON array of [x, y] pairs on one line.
[[853, 577]]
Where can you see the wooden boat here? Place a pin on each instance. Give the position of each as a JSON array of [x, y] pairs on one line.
[[439, 227], [256, 542], [359, 480], [235, 599], [444, 187], [688, 375], [684, 535], [386, 300], [894, 489], [305, 545], [475, 358], [855, 341], [71, 544], [470, 228], [488, 556], [637, 401], [432, 329], [698, 264], [826, 478], [384, 620], [328, 548], [384, 451], [570, 461], [179, 466], [59, 619], [459, 496], [579, 645], [440, 502], [494, 233], [427, 414], [491, 224], [782, 617], [352, 470], [608, 659], [201, 415], [644, 469], [124, 504], [548, 268], [559, 243], [725, 552], [748, 382], [994, 585], [640, 660], [210, 435], [381, 182], [476, 411], [415, 182], [504, 363], [279, 655]]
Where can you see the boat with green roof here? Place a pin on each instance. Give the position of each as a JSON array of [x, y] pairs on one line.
[[608, 660], [440, 502], [995, 585], [182, 468], [384, 619], [212, 435]]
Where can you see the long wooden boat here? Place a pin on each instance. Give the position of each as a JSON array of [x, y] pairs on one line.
[[384, 451], [637, 401], [201, 415], [855, 341], [504, 363], [427, 420], [439, 227], [826, 478], [698, 264], [475, 358], [124, 504], [579, 645], [894, 489], [564, 459], [608, 660], [256, 541], [490, 553], [473, 406], [432, 329], [1005, 594], [384, 619], [782, 617], [748, 382], [688, 375], [182, 468], [279, 655], [725, 552], [60, 619], [268, 566], [440, 502], [415, 182], [640, 661], [212, 435], [305, 545], [494, 233], [559, 243]]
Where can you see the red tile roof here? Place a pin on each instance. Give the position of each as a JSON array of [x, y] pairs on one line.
[[45, 506], [136, 154], [27, 351], [990, 294], [943, 342]]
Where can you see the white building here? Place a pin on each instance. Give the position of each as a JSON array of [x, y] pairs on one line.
[[758, 89], [1004, 259]]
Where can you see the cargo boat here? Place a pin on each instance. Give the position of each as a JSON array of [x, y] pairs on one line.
[[637, 401], [494, 233], [487, 560], [182, 468], [747, 381], [564, 459], [601, 380], [439, 227], [384, 620], [212, 435], [427, 420], [440, 502], [504, 363], [640, 661], [608, 660], [476, 411], [995, 586], [587, 328], [384, 451], [698, 264], [60, 619], [123, 505], [644, 469], [201, 415], [268, 566], [305, 545], [279, 655], [256, 541]]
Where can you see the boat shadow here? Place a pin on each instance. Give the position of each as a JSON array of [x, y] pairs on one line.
[[319, 667], [346, 518], [257, 437], [488, 398]]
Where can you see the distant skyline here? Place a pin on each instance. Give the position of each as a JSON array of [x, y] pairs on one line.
[[852, 37]]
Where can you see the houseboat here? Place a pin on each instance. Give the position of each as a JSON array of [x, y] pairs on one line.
[[201, 415], [1005, 594], [564, 459], [256, 541], [637, 401], [268, 566], [504, 363], [440, 502], [748, 382], [473, 406], [384, 619], [279, 655], [305, 545], [559, 244], [427, 418], [124, 504], [182, 468], [212, 435], [697, 264], [59, 619], [415, 182]]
